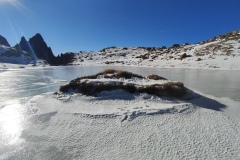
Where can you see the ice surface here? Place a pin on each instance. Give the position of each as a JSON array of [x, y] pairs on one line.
[[120, 125]]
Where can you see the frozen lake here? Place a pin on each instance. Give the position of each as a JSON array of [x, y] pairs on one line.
[[51, 132], [25, 83]]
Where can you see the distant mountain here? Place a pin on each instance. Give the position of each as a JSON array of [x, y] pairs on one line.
[[3, 41], [23, 45], [41, 49], [38, 48], [222, 51], [12, 55], [31, 51]]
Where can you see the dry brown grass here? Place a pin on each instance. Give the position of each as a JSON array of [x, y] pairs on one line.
[[184, 55], [107, 71], [175, 89], [156, 77], [64, 88], [120, 72], [229, 52], [127, 75], [199, 53], [156, 89], [117, 74], [84, 86], [168, 89]]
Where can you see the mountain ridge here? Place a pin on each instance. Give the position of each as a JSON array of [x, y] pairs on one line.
[[222, 51], [39, 49], [227, 44]]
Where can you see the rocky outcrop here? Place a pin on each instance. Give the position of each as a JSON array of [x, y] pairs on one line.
[[184, 55], [3, 41], [111, 79]]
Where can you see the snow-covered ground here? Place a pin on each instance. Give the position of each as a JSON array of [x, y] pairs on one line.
[[31, 65], [193, 62], [12, 56], [222, 52], [115, 125], [120, 125]]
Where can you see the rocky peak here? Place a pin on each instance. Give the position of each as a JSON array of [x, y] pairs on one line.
[[40, 48], [38, 41], [23, 39], [37, 48], [3, 41], [23, 45]]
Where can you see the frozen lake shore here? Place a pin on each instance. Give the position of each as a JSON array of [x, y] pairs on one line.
[[113, 125]]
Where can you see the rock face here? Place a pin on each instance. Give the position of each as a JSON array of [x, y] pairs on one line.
[[111, 79], [23, 45], [37, 47], [34, 49], [3, 41], [41, 49]]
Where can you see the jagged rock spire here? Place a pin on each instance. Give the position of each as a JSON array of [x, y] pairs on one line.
[[3, 41]]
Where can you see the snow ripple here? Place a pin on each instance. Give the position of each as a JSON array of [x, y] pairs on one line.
[[126, 130]]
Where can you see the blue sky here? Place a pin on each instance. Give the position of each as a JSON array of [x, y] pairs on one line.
[[85, 25]]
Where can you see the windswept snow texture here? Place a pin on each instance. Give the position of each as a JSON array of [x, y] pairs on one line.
[[120, 125]]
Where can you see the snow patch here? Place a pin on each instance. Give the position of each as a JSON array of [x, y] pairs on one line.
[[110, 104]]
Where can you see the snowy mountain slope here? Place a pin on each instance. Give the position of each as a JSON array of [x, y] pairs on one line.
[[221, 52], [31, 51], [12, 55], [3, 48]]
